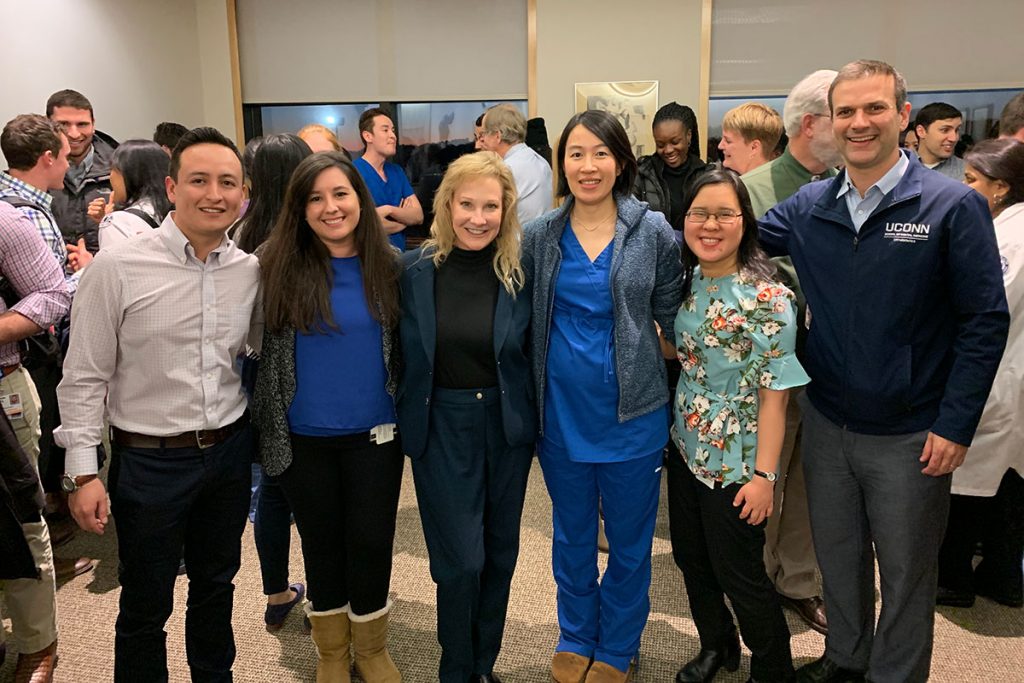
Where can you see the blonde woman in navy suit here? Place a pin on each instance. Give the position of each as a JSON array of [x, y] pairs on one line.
[[466, 410]]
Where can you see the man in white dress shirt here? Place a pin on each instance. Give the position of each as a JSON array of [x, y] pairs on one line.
[[504, 134], [157, 325]]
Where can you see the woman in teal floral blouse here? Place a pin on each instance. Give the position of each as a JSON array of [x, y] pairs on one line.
[[735, 334]]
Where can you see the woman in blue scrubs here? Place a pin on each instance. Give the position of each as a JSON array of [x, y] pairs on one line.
[[605, 271]]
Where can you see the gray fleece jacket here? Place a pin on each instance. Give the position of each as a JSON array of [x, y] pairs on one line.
[[646, 279]]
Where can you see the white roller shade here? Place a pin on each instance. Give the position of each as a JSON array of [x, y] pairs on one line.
[[381, 50], [762, 48]]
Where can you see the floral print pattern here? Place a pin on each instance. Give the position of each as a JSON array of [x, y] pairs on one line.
[[734, 335]]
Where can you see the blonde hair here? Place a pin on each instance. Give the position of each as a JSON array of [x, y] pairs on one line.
[[323, 130], [507, 265], [755, 121]]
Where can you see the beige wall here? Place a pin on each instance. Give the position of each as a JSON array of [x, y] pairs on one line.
[[612, 40], [138, 61]]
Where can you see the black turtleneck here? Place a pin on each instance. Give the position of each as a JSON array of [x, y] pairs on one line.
[[465, 294]]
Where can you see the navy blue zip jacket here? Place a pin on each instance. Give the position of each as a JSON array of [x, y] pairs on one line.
[[909, 317]]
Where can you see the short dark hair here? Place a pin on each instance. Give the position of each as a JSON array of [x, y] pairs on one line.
[[864, 68], [249, 156], [27, 137], [1001, 159], [1012, 118], [936, 111], [200, 136], [673, 111], [608, 130], [68, 98], [479, 123], [366, 120], [168, 133], [750, 257]]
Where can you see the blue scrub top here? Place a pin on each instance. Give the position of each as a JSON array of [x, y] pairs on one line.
[[582, 390], [386, 193], [340, 377]]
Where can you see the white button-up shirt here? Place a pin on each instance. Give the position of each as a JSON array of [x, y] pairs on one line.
[[157, 332], [533, 182]]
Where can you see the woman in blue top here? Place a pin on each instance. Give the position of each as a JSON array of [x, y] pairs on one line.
[[325, 409], [605, 271], [735, 338]]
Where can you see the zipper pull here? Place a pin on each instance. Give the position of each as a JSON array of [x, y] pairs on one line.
[[856, 241]]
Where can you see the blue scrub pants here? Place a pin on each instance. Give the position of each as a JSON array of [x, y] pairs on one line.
[[605, 619]]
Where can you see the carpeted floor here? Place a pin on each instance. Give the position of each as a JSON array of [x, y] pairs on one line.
[[985, 643]]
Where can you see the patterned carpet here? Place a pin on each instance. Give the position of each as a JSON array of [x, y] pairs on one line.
[[985, 643]]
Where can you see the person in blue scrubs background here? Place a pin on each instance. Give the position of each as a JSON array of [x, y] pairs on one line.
[[466, 408], [396, 201], [605, 270]]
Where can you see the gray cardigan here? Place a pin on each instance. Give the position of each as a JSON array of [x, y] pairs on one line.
[[275, 389], [646, 279]]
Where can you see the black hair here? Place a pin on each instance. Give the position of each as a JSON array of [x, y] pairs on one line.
[[68, 98], [168, 133], [275, 161], [479, 121], [1001, 159], [143, 164], [936, 111], [203, 135], [249, 155], [609, 131], [751, 259], [366, 121], [673, 111]]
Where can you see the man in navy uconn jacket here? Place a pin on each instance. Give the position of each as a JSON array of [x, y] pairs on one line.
[[908, 320]]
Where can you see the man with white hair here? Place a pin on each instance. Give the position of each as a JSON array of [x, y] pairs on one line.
[[811, 155], [504, 133]]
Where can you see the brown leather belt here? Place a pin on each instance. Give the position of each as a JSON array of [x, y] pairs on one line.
[[9, 369], [201, 438]]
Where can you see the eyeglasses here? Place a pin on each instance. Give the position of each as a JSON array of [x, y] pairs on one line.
[[724, 217]]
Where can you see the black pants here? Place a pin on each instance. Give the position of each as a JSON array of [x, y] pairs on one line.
[[344, 494], [470, 486], [165, 500], [46, 375], [721, 555], [996, 521]]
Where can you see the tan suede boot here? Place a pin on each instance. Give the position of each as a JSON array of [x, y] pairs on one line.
[[569, 667], [332, 636], [370, 644]]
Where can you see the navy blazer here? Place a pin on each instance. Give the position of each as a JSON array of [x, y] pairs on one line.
[[418, 330]]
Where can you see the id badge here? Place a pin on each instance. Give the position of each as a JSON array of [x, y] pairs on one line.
[[12, 406]]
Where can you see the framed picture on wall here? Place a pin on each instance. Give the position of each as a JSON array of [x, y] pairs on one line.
[[633, 103]]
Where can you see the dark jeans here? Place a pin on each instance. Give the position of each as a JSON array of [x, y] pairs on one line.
[[165, 500], [721, 555], [344, 493], [46, 376], [998, 522], [273, 533], [470, 486]]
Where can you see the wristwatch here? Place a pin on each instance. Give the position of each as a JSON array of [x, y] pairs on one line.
[[69, 484], [770, 476]]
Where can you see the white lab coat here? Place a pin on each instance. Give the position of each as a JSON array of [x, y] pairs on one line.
[[999, 442]]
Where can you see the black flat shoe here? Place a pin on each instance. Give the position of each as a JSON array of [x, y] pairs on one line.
[[824, 670], [703, 667], [950, 597], [485, 678]]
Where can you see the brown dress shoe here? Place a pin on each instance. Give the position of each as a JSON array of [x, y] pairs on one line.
[[600, 672], [811, 610], [569, 667], [67, 568], [37, 667]]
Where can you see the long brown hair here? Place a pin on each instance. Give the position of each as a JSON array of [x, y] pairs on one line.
[[296, 266]]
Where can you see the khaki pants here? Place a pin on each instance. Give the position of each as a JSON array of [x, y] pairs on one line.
[[31, 603], [788, 549]]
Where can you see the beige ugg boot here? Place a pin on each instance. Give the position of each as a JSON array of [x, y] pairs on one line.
[[370, 645], [332, 636]]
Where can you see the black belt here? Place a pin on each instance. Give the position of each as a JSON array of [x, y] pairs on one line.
[[200, 438]]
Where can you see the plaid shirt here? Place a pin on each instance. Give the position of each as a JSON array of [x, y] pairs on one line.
[[26, 263], [43, 220]]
